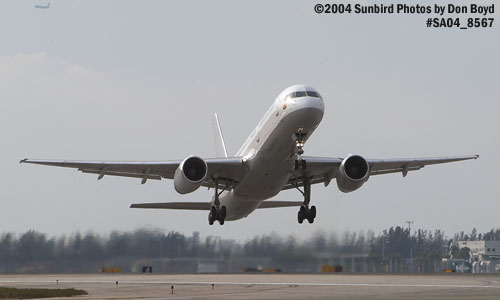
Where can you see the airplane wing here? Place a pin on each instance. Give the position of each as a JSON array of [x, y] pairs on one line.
[[207, 205], [324, 169], [229, 170]]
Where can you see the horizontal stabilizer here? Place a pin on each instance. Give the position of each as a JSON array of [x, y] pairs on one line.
[[207, 205], [273, 204], [175, 205]]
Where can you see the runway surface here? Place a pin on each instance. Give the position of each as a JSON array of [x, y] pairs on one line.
[[268, 286]]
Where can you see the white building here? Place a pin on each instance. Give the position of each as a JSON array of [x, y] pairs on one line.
[[484, 255]]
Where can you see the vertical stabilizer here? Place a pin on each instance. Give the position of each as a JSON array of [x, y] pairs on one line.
[[220, 146]]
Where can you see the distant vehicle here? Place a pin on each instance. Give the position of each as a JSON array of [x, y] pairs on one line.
[[43, 6], [269, 162]]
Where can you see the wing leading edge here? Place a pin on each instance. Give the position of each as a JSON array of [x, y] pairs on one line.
[[324, 169], [229, 170]]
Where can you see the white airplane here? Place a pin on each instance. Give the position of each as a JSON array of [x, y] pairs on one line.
[[43, 6], [268, 162]]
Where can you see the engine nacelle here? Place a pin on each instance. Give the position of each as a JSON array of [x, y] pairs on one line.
[[190, 175], [352, 173]]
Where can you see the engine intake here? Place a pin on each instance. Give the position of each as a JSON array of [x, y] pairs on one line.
[[190, 175], [353, 172]]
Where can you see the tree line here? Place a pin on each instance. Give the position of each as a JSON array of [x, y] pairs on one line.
[[392, 250]]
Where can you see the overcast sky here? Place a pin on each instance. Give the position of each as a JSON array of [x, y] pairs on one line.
[[139, 80]]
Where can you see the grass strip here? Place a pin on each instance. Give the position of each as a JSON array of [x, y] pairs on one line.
[[29, 293]]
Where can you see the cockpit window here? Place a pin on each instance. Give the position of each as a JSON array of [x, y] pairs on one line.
[[313, 94], [303, 94], [299, 94]]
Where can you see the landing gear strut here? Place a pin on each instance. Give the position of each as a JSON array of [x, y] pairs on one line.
[[217, 212], [305, 212], [300, 164], [299, 142]]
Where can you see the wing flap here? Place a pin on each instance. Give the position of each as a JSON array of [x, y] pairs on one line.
[[122, 174], [387, 164], [395, 170], [404, 165]]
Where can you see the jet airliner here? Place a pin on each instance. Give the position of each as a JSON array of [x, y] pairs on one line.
[[43, 6], [270, 160]]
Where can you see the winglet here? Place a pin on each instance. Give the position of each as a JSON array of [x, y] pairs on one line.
[[477, 156], [23, 160], [220, 146]]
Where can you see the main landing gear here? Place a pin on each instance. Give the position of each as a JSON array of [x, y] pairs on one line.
[[217, 212], [305, 212]]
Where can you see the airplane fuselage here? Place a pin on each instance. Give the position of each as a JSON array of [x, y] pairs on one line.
[[271, 150]]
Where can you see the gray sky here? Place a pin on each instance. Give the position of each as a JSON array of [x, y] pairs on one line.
[[139, 80]]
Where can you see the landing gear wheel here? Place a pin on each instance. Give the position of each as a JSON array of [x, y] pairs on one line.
[[212, 216], [217, 214], [313, 212], [223, 214], [310, 220], [301, 216], [306, 213]]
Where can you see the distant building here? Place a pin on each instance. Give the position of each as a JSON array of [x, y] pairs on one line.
[[482, 250], [484, 255]]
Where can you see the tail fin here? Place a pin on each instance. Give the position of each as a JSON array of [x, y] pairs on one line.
[[220, 146], [48, 5]]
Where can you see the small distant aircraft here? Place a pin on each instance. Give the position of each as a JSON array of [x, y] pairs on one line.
[[43, 6]]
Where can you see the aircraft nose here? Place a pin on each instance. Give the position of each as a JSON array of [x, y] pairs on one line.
[[310, 103]]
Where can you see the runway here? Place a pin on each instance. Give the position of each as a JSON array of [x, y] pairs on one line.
[[268, 286]]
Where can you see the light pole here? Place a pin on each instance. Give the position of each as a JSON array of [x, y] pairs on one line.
[[411, 247], [161, 250]]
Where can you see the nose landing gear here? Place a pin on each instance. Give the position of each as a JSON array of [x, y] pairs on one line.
[[299, 142], [300, 164], [217, 212]]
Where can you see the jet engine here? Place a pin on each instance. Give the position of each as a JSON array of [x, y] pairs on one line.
[[352, 173], [190, 175]]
